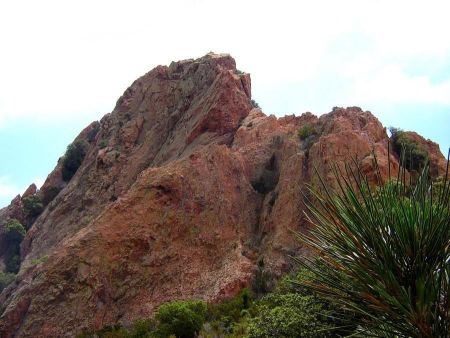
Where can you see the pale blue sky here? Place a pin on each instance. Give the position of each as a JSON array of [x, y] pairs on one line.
[[63, 65]]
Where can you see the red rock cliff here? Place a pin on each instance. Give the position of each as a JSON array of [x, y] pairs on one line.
[[184, 187]]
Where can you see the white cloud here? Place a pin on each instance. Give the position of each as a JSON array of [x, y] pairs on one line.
[[39, 181], [62, 59], [7, 189], [392, 85]]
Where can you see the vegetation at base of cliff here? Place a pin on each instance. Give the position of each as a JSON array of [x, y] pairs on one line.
[[415, 156], [383, 254], [73, 158], [288, 311], [183, 319], [14, 232]]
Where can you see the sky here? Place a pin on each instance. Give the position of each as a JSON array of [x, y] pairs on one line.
[[64, 64]]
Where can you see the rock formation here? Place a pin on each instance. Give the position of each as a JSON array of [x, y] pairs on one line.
[[184, 187]]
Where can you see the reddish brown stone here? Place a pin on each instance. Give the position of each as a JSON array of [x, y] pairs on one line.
[[183, 189]]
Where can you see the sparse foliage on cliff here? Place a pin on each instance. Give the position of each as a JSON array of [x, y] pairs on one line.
[[306, 131], [415, 157], [383, 254], [73, 158]]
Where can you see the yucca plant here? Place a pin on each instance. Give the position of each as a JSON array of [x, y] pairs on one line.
[[382, 253]]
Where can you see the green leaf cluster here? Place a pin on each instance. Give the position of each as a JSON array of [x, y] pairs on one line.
[[33, 205], [73, 158], [14, 232], [184, 319], [384, 253], [415, 157], [306, 131]]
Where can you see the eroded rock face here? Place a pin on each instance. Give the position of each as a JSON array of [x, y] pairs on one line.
[[185, 186]]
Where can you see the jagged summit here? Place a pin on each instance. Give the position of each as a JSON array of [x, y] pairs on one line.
[[184, 186]]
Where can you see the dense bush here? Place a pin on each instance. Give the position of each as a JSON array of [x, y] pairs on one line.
[[231, 308], [285, 321], [415, 157], [184, 319], [384, 254], [14, 232], [6, 278], [73, 158], [33, 206], [291, 310], [306, 131]]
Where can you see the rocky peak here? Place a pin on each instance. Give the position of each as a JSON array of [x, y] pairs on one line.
[[31, 190], [183, 188]]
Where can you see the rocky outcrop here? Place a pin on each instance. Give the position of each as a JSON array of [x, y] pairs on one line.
[[437, 162], [184, 187]]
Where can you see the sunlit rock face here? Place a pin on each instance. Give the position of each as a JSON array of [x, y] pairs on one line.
[[184, 187]]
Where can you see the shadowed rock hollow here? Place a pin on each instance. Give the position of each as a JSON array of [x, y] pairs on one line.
[[184, 187]]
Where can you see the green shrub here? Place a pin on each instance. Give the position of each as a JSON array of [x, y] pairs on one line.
[[284, 321], [6, 278], [291, 310], [306, 131], [383, 254], [14, 232], [255, 104], [103, 144], [73, 158], [33, 206], [415, 157], [184, 319], [226, 314]]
